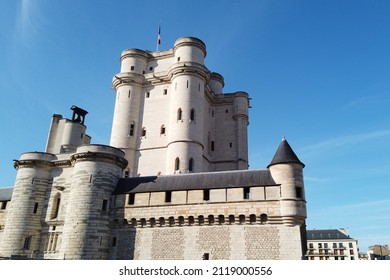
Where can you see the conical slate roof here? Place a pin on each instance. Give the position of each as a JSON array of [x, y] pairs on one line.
[[285, 154]]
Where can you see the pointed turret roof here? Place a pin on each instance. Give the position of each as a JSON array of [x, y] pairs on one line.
[[285, 154]]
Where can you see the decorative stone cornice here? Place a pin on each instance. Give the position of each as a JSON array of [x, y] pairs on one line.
[[127, 78], [189, 68], [97, 156]]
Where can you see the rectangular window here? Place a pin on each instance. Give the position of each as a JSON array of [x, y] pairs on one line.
[[212, 146], [334, 245], [350, 245], [132, 68], [131, 133], [105, 205], [247, 192], [206, 256], [131, 198], [35, 207], [298, 191], [206, 195], [27, 243], [3, 205], [340, 245], [143, 132], [113, 241], [165, 91], [168, 196]]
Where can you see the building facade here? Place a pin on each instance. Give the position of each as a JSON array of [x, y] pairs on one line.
[[173, 184], [331, 244]]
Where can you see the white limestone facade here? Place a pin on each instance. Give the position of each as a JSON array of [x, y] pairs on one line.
[[170, 107]]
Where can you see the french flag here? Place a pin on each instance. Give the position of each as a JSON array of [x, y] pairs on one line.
[[159, 35]]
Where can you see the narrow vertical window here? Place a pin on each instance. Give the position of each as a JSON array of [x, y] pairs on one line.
[[247, 193], [165, 91], [56, 206], [192, 115], [3, 205], [179, 114], [177, 164], [143, 132], [191, 165], [212, 146], [162, 130], [206, 195], [131, 199], [132, 68], [113, 241], [168, 196], [147, 94], [129, 93], [27, 243], [35, 208], [105, 205], [187, 83], [132, 126]]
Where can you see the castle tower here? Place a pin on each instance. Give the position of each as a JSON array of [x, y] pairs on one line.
[[287, 170], [22, 232], [170, 107], [86, 231], [129, 105], [186, 122]]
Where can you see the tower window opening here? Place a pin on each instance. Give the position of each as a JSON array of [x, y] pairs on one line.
[[147, 94], [192, 115], [131, 132], [206, 256], [299, 193], [127, 173], [132, 68], [187, 83], [143, 132], [27, 243], [162, 130], [105, 205], [177, 164], [191, 165], [212, 146], [178, 59], [231, 144], [35, 208], [56, 206], [247, 192], [206, 195], [150, 68], [113, 241], [129, 94], [3, 205], [165, 91], [179, 114], [168, 196]]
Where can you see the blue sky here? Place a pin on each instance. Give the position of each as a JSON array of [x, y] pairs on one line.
[[317, 72]]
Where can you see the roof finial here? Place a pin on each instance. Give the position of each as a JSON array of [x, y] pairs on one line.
[[284, 138]]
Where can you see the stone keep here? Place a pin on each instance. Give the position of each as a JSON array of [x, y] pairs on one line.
[[173, 184]]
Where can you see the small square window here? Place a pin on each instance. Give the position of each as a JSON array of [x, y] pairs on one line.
[[132, 68]]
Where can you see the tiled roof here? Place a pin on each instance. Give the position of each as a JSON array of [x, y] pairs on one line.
[[6, 193], [326, 234], [285, 154], [194, 181]]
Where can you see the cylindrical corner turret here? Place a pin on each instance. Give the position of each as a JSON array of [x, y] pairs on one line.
[[190, 49], [22, 232], [287, 170], [86, 232], [134, 61], [216, 83]]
